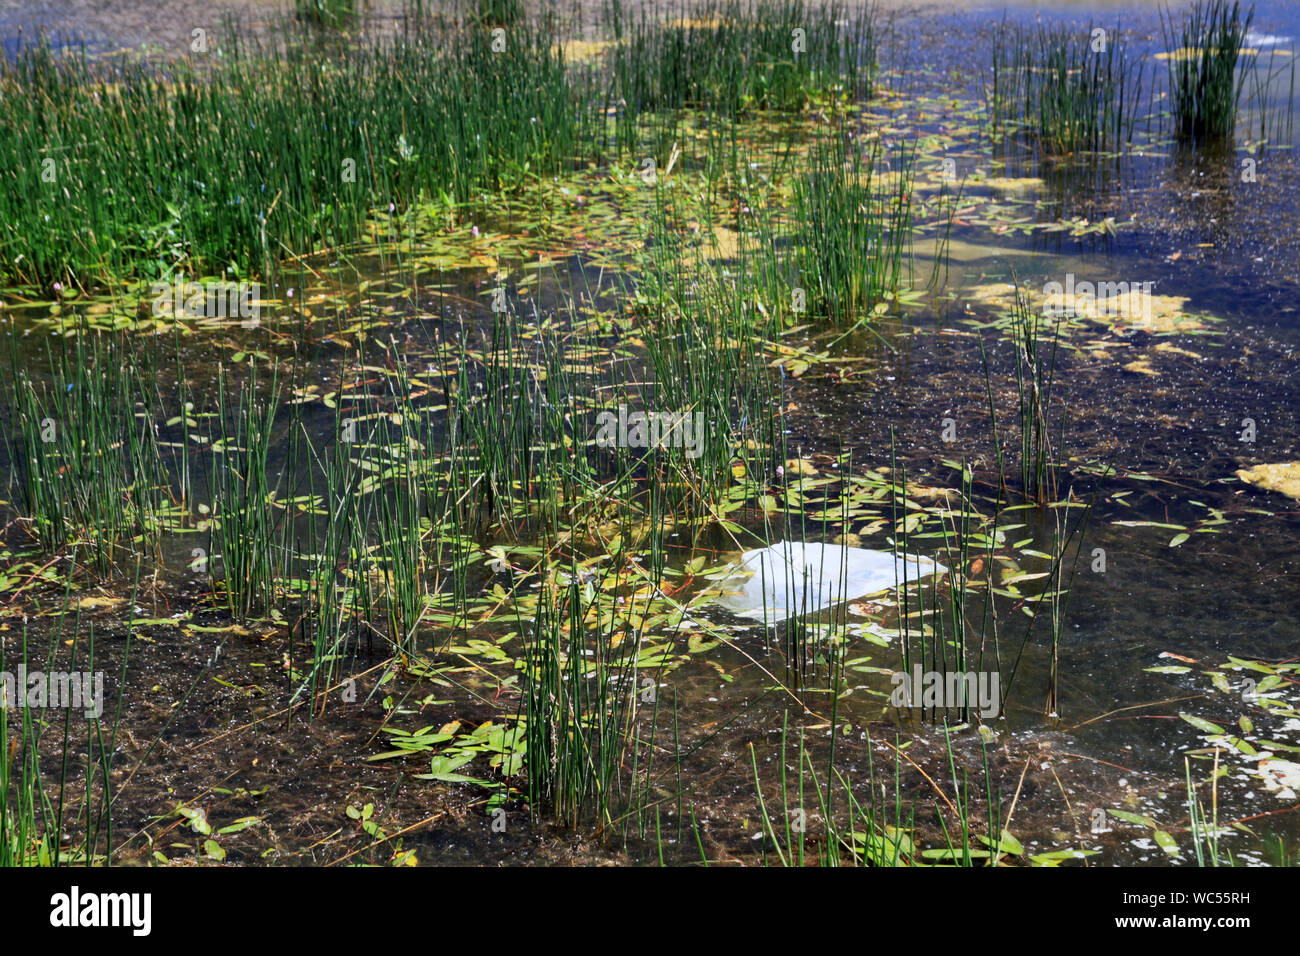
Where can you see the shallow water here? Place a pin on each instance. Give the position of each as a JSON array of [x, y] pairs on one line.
[[1188, 224]]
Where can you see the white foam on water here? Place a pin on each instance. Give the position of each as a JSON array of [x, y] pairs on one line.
[[1264, 39]]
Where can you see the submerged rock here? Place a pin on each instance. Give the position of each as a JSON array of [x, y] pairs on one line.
[[785, 579]]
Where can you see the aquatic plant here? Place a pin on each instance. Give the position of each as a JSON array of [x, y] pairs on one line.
[[853, 215], [327, 13], [875, 824], [730, 57], [34, 818], [117, 167], [89, 465], [1204, 82], [1035, 341], [244, 532], [579, 697], [1071, 90]]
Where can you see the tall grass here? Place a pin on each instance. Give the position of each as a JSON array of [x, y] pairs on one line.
[[579, 698], [730, 57], [35, 826], [853, 215], [1204, 82], [244, 513], [1068, 95], [873, 823], [1035, 343], [327, 13], [119, 167], [89, 466], [270, 145], [1205, 829]]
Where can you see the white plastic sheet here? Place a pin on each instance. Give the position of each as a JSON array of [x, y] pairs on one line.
[[785, 579]]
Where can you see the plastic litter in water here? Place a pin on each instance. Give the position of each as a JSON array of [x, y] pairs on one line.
[[777, 582]]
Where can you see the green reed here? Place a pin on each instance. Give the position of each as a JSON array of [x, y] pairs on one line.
[[1071, 90], [853, 216], [400, 536], [327, 13], [709, 328], [578, 698], [731, 57], [325, 618], [1204, 81], [1205, 830], [115, 166], [875, 824], [244, 513], [1035, 341], [89, 463], [33, 822], [497, 13]]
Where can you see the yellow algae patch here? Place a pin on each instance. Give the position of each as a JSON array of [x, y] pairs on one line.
[[1142, 366], [1130, 306], [1009, 184], [575, 51], [94, 602], [718, 243], [1175, 350], [929, 492], [1187, 53], [1283, 478], [686, 23]]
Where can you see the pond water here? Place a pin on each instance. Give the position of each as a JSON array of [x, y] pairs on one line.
[[1181, 601]]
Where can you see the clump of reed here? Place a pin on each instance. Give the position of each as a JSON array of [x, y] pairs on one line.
[[870, 822], [327, 13], [853, 218], [731, 57], [497, 13], [243, 509], [709, 326], [118, 167], [1204, 83], [36, 825], [579, 697], [88, 462], [1061, 87], [1035, 343]]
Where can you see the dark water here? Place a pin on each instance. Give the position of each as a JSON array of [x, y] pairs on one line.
[[1188, 223]]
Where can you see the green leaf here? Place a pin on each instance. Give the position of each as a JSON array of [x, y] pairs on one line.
[[1056, 857], [1007, 844], [443, 768], [243, 823], [1167, 843], [1201, 724], [1132, 818]]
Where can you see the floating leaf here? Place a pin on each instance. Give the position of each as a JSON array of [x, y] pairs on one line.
[[1201, 724], [1166, 843]]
